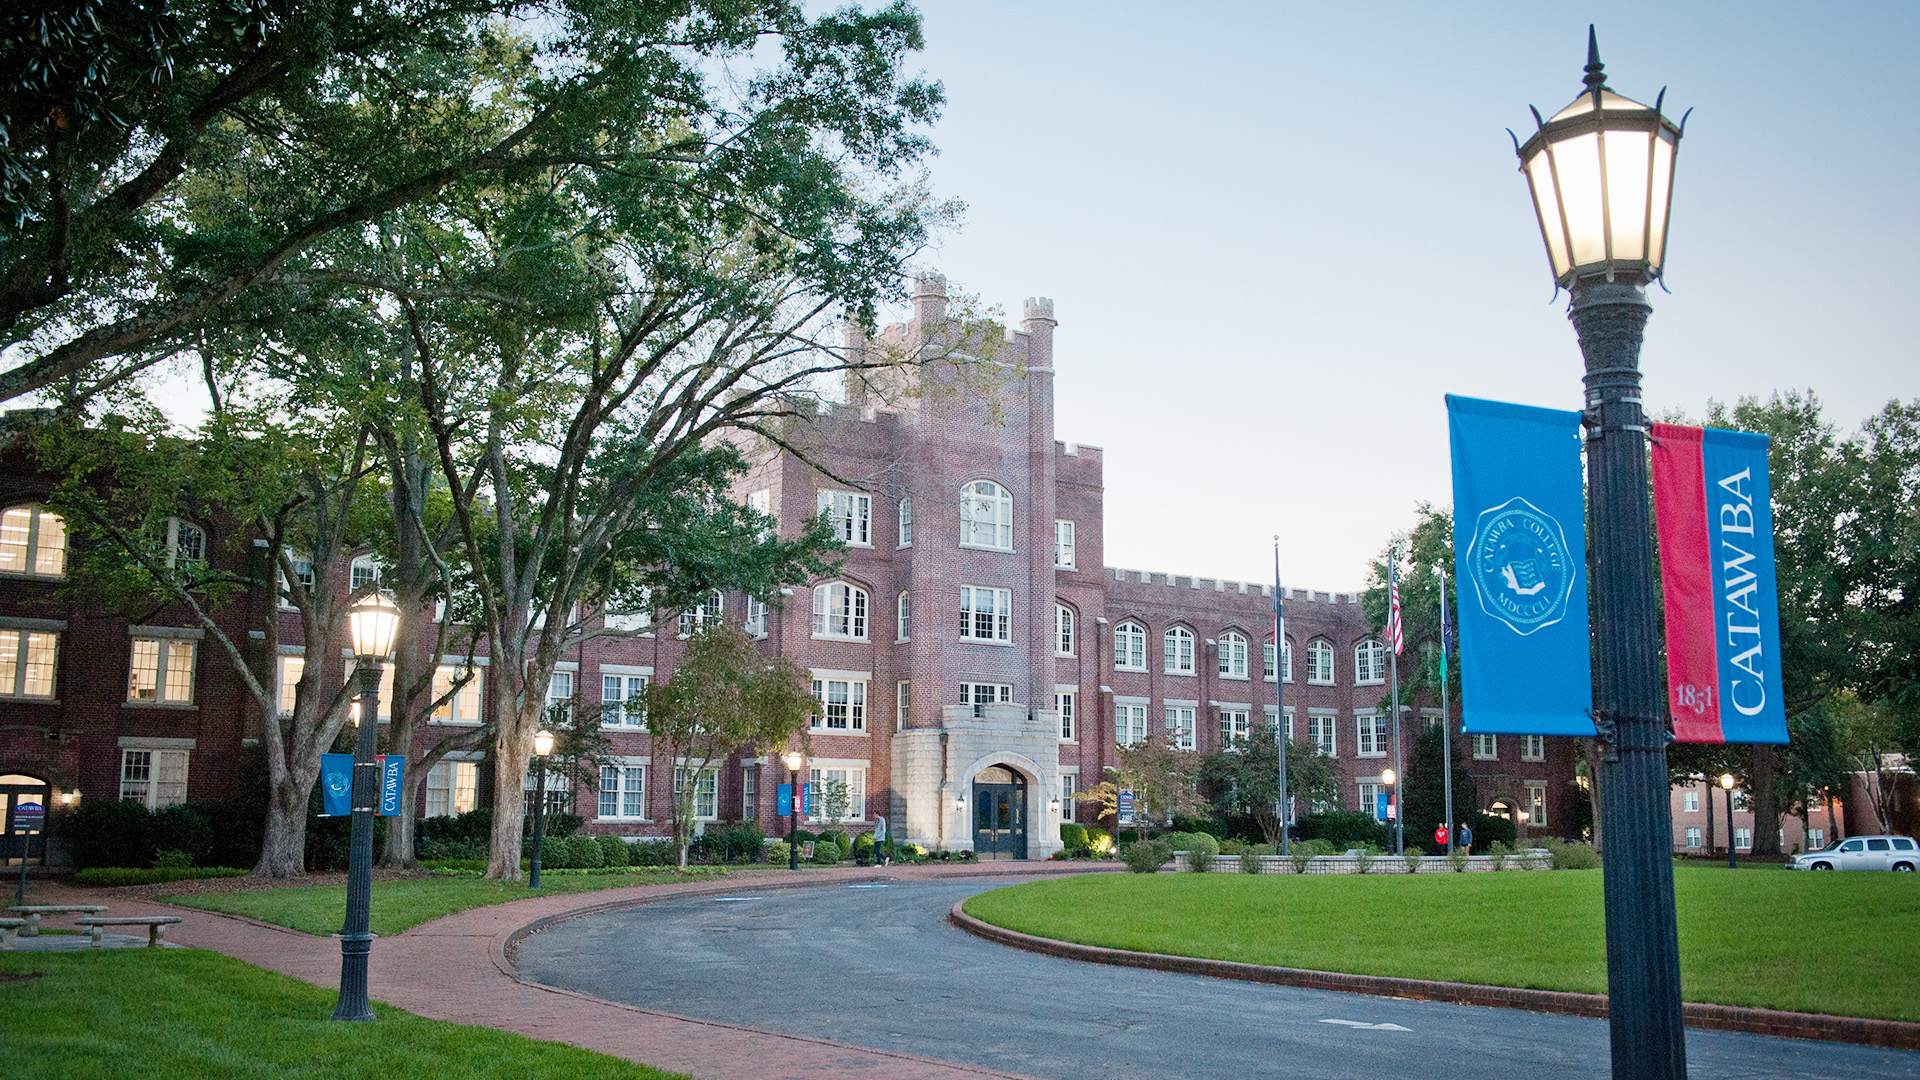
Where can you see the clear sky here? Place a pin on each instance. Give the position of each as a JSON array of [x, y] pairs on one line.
[[1276, 235]]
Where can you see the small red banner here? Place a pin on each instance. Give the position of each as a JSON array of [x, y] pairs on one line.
[[1687, 581]]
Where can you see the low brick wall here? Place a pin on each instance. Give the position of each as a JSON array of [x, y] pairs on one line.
[[1526, 859]]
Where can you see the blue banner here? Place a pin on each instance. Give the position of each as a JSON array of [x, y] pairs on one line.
[[783, 801], [806, 799], [1746, 605], [1519, 558], [391, 767], [336, 785]]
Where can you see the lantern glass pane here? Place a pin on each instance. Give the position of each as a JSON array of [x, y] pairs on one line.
[[1576, 163], [1579, 105], [1540, 177], [1662, 192], [1627, 191]]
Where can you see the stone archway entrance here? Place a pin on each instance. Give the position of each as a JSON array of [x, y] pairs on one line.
[[999, 813]]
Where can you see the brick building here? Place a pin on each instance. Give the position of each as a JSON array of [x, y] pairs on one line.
[[976, 660]]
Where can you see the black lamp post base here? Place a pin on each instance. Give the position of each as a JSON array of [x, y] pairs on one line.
[[353, 1003]]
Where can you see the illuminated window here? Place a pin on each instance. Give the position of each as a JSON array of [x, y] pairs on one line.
[[33, 542]]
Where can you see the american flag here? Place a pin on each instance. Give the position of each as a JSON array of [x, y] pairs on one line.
[[1394, 631]]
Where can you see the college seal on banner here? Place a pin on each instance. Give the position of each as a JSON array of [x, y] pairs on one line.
[[1522, 565]]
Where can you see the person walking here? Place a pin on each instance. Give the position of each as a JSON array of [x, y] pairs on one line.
[[1466, 838]]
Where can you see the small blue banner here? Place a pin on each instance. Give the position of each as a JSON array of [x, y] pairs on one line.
[[783, 801], [391, 768], [336, 785], [1519, 557], [806, 799]]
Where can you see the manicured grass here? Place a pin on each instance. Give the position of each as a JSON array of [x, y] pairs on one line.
[[1846, 944], [408, 902], [161, 1014]]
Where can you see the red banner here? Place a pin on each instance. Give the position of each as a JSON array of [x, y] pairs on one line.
[[1686, 579]]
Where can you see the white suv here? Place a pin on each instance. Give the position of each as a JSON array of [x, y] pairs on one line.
[[1863, 853]]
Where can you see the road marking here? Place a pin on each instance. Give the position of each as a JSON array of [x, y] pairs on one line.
[[1360, 1024], [735, 899], [869, 885]]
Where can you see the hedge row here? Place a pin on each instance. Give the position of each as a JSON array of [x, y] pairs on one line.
[[159, 875]]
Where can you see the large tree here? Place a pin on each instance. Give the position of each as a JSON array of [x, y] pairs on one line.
[[1244, 779]]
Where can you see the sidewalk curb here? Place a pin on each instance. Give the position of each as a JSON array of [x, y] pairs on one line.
[[1893, 1034]]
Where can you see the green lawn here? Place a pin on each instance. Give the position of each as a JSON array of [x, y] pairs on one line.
[[408, 902], [135, 1014], [1847, 944]]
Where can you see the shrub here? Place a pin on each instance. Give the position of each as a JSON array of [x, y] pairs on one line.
[[122, 875], [554, 823], [1414, 857], [826, 852], [1232, 847], [1147, 856], [833, 836], [1199, 859], [1344, 830], [1252, 858], [1100, 844], [613, 851], [172, 860], [1074, 837], [801, 836], [1300, 854], [586, 851], [863, 849], [778, 853], [1457, 859], [652, 853], [554, 854], [1193, 841], [1499, 851], [1572, 854], [910, 853], [1364, 861]]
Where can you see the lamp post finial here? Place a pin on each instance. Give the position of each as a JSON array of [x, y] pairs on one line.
[[1596, 79]]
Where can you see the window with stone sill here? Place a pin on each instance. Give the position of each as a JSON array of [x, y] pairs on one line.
[[27, 663], [843, 705], [1062, 630], [185, 542], [453, 788], [1063, 555], [33, 542], [623, 790], [1320, 662], [623, 701], [1130, 647], [1234, 727], [161, 671], [1486, 747], [839, 611], [1063, 704], [986, 516], [979, 695], [1266, 661], [986, 614], [1533, 748], [1369, 663], [851, 515], [708, 611], [1373, 735], [153, 778], [1233, 655], [1130, 724], [706, 792], [1180, 725], [1176, 648]]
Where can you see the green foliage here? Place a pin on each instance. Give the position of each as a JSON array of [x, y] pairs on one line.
[[1243, 781], [1345, 829], [613, 851], [172, 859], [863, 849], [1571, 854], [556, 853], [1163, 779], [1074, 837], [1146, 856], [1200, 860], [1457, 860], [826, 852], [1489, 829], [1499, 852], [1363, 862], [778, 853], [651, 853], [100, 876], [122, 833], [1421, 550], [1425, 789], [733, 843], [1414, 857], [585, 851], [1300, 854], [1193, 841], [1252, 858]]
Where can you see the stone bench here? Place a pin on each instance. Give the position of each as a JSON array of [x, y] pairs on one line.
[[34, 911], [156, 927], [8, 928]]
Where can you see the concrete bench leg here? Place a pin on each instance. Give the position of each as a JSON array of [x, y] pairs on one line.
[[156, 935], [32, 929], [6, 937], [99, 936]]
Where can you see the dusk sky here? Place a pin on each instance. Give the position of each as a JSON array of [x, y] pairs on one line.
[[1276, 235]]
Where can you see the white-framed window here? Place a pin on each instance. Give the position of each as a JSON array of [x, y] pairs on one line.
[[623, 701], [1233, 655], [1537, 805], [756, 621], [902, 699], [291, 670], [364, 573], [1130, 647], [1320, 662], [559, 788], [153, 778], [761, 502], [1267, 658], [634, 616], [1373, 736], [749, 793], [161, 670], [1234, 724], [1062, 630], [986, 516], [982, 694], [453, 787], [1816, 839], [1129, 724], [1369, 663], [856, 780], [903, 616], [1066, 796], [1693, 836], [1486, 747], [1323, 732], [185, 541], [560, 692], [1273, 721], [706, 791], [1743, 839], [839, 611], [623, 790], [1063, 545], [851, 515], [1690, 802], [33, 542], [709, 610], [462, 706], [986, 614], [302, 570], [383, 698], [1063, 704], [1533, 748], [1180, 725], [843, 705], [1370, 800], [1176, 649], [27, 663], [906, 521]]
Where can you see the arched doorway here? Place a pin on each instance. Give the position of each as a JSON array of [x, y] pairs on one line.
[[16, 788], [999, 813]]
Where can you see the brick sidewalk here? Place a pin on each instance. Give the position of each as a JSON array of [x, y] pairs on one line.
[[456, 969]]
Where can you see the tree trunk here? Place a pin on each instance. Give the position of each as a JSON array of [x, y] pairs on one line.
[[283, 846], [1766, 804], [512, 749]]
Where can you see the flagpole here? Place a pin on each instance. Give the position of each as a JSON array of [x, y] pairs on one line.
[[1393, 673], [1282, 731], [1446, 719]]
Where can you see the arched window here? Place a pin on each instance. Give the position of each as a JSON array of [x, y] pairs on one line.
[[986, 516], [1176, 647], [1286, 661], [840, 610], [1369, 663], [904, 614], [1320, 662], [1130, 647], [33, 541], [364, 572], [1233, 655], [185, 541], [1062, 630]]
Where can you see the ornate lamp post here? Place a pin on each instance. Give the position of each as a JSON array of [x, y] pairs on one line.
[[542, 746], [373, 623], [794, 760], [1726, 785], [1601, 175], [1388, 777]]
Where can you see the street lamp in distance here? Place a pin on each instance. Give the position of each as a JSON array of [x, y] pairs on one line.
[[1726, 785], [1387, 777], [794, 759], [542, 746], [372, 624]]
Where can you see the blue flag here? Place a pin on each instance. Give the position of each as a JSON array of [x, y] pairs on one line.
[[1519, 559], [391, 767], [783, 800], [336, 785]]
